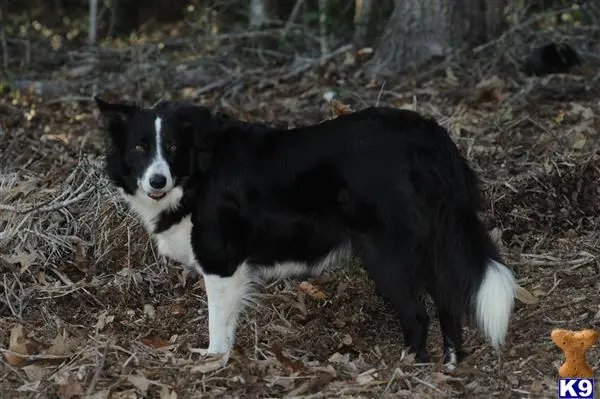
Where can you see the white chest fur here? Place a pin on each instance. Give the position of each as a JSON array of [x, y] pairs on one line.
[[175, 242]]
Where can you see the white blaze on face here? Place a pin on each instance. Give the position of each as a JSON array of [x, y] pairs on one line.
[[158, 166]]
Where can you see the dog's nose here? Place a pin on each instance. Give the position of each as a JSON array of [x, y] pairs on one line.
[[158, 181]]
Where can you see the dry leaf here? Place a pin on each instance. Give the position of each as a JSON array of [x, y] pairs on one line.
[[339, 108], [312, 291], [155, 342], [456, 129], [167, 393], [338, 358], [373, 83], [579, 140], [436, 377], [103, 394], [211, 364], [366, 377], [68, 386], [188, 92], [586, 113], [341, 288], [126, 394], [35, 372], [140, 382], [450, 76], [287, 384], [407, 358], [21, 258], [149, 311], [178, 309], [60, 137], [58, 347], [315, 384], [288, 363], [19, 343], [300, 305], [103, 320], [524, 296], [492, 83], [347, 340]]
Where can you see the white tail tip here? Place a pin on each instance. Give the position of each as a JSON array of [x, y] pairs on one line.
[[494, 302]]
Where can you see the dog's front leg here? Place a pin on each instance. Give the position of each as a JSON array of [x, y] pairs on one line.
[[226, 297]]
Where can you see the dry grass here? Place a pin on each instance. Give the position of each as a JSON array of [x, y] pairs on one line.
[[102, 314]]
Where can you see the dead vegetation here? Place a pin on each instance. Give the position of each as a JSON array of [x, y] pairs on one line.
[[87, 309]]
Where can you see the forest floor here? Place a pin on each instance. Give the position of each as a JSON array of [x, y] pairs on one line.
[[88, 309]]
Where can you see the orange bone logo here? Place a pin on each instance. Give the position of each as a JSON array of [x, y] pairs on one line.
[[575, 344]]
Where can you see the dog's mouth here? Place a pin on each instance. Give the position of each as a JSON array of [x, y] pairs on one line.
[[157, 195]]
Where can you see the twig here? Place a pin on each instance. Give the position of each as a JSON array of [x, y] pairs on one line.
[[35, 357], [8, 302], [323, 8], [308, 64], [69, 99], [4, 49], [430, 385], [211, 86], [98, 370], [188, 41], [48, 208], [292, 17]]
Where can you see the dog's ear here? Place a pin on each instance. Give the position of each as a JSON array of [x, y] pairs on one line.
[[117, 115], [200, 124]]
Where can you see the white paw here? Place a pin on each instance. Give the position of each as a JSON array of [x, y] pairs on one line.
[[214, 362], [450, 366], [200, 351], [208, 352], [452, 362]]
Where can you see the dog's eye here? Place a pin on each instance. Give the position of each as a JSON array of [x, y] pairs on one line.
[[172, 148], [140, 148]]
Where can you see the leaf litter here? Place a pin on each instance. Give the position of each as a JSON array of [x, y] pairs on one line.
[[88, 309]]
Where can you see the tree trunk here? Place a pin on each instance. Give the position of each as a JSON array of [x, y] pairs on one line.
[[419, 30], [124, 17], [362, 18], [258, 13], [93, 23]]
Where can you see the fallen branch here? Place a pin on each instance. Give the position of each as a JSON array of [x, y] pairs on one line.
[[309, 64]]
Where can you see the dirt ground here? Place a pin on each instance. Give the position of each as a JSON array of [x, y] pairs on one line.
[[87, 309]]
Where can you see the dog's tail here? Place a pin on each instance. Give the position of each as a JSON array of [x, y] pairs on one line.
[[494, 301], [494, 291], [481, 280]]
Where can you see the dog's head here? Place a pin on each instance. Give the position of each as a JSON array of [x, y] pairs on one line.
[[152, 150]]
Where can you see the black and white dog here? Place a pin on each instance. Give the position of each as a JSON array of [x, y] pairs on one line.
[[240, 202]]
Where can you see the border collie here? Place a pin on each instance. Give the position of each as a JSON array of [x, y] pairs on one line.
[[240, 202]]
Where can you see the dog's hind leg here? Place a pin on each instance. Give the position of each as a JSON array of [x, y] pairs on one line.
[[451, 326], [415, 323], [392, 274]]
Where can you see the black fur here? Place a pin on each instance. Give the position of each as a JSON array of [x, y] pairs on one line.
[[550, 59], [389, 182]]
